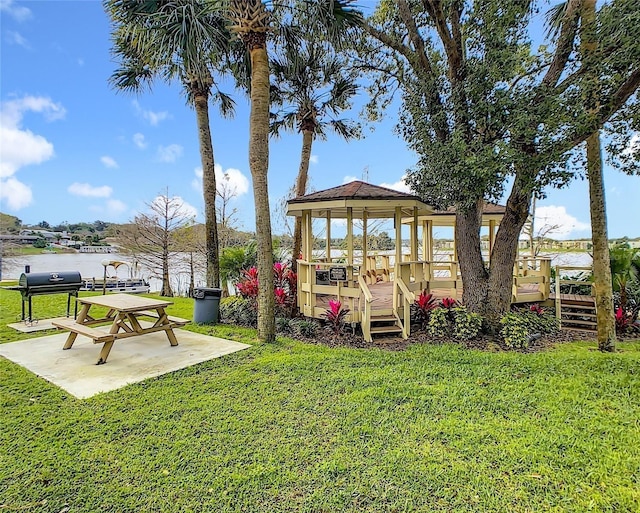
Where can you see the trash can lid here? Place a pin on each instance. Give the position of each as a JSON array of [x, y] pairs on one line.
[[202, 292]]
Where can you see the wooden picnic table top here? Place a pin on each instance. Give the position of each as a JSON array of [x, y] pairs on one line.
[[125, 302]]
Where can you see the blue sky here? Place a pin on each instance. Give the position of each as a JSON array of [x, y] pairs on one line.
[[73, 149]]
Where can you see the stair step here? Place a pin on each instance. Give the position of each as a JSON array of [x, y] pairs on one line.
[[383, 318], [385, 329], [580, 314], [578, 304], [578, 322]]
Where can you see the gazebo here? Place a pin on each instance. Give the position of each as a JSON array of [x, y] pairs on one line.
[[380, 287]]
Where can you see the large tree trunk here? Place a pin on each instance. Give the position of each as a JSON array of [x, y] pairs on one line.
[[259, 164], [208, 189], [601, 262], [472, 269], [301, 189], [505, 250]]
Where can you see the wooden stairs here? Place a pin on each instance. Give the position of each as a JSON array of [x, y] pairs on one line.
[[577, 312], [385, 324]]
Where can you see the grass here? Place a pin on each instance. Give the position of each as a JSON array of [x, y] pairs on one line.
[[299, 427]]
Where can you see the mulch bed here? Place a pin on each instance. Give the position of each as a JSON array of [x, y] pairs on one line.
[[484, 342]]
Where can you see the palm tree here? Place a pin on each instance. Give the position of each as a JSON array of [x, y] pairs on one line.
[[252, 21], [311, 84], [183, 40], [599, 236]]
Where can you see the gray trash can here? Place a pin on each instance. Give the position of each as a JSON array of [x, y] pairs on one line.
[[207, 305]]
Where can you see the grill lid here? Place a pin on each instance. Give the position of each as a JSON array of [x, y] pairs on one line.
[[64, 280]]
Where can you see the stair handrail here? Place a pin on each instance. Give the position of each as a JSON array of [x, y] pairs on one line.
[[365, 319], [408, 298]]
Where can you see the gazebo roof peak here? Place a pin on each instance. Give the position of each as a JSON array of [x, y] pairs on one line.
[[357, 190]]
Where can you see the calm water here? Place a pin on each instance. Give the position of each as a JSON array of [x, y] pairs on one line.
[[89, 265]]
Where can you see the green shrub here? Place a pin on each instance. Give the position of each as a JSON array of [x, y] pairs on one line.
[[304, 327], [519, 326], [466, 324], [238, 310], [283, 325], [454, 321], [438, 325]]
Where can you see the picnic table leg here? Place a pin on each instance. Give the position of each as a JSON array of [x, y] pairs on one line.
[[106, 346], [163, 319], [104, 354], [79, 319]]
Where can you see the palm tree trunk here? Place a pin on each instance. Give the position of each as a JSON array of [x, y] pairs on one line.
[[301, 189], [208, 189], [599, 237], [605, 315], [259, 164]]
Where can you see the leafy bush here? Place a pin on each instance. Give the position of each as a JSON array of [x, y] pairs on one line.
[[282, 325], [239, 310], [335, 316], [438, 325], [303, 327], [454, 321], [520, 325], [467, 324]]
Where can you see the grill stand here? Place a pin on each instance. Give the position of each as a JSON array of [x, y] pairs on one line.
[[27, 299]]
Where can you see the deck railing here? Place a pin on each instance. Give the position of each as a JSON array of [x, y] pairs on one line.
[[531, 279], [365, 313], [570, 269]]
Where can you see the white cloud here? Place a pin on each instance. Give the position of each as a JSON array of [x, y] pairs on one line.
[[314, 159], [108, 161], [555, 221], [15, 38], [89, 191], [400, 185], [138, 140], [154, 118], [20, 147], [169, 153], [115, 206], [16, 194], [349, 178], [177, 204], [236, 183], [18, 12]]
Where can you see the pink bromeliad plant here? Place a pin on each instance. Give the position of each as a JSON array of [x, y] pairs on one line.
[[285, 286], [335, 316], [248, 287], [423, 305]]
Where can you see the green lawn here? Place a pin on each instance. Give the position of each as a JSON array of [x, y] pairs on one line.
[[300, 427]]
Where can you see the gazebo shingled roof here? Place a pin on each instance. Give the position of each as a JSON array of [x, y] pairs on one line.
[[354, 190], [358, 197]]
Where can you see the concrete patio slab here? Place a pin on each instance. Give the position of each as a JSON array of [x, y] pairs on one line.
[[130, 361], [33, 326]]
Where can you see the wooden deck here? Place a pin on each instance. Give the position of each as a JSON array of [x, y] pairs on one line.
[[382, 293]]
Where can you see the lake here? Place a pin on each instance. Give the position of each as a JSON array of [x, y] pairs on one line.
[[89, 266]]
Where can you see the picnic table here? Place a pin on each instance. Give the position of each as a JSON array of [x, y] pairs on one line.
[[124, 313]]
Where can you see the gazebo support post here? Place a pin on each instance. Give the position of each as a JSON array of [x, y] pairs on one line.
[[328, 243], [365, 267], [350, 243]]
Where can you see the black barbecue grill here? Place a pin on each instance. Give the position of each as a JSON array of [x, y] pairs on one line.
[[38, 284]]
